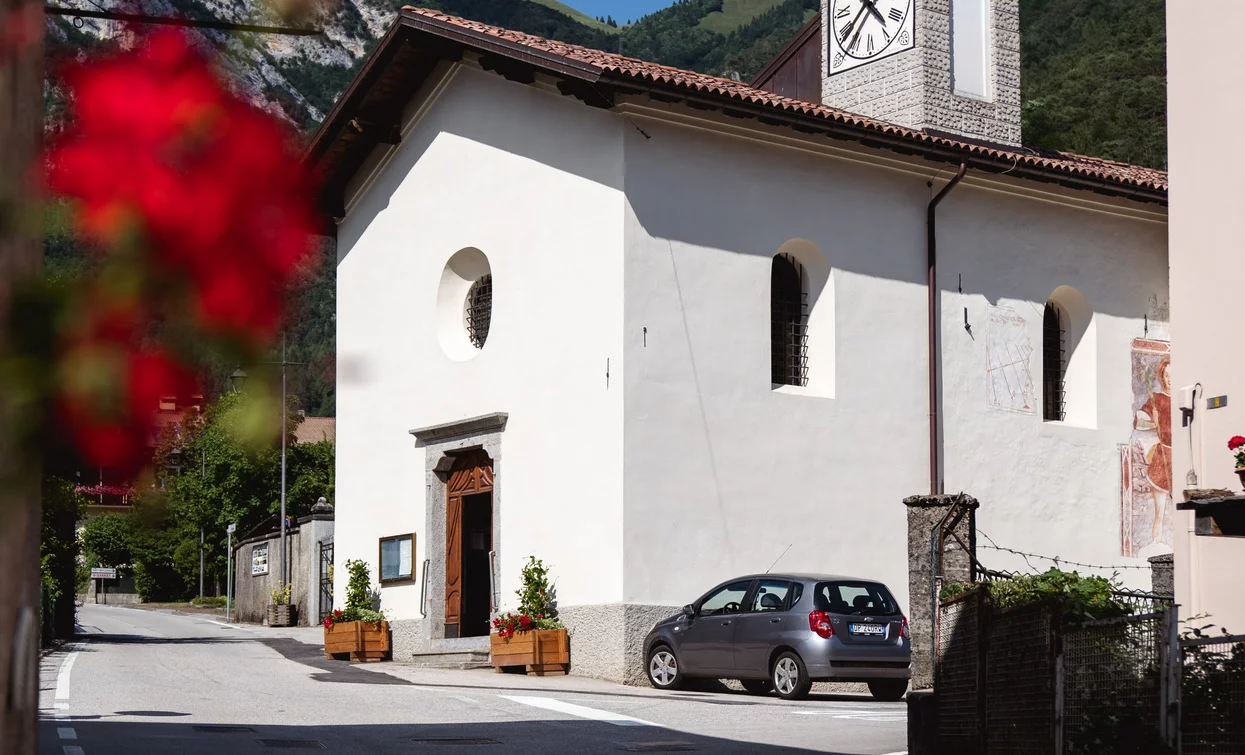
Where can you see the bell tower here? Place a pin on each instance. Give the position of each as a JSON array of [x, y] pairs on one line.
[[942, 66]]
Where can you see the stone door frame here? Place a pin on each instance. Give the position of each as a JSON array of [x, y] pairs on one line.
[[440, 442]]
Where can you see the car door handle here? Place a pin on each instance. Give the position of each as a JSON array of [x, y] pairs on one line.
[[775, 621], [726, 623]]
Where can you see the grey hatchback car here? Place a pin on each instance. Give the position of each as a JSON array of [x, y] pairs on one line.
[[782, 632]]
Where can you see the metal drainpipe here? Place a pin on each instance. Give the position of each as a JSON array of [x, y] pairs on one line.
[[931, 259]]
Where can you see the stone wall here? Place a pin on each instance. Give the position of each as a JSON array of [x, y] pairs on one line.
[[252, 593], [924, 514], [1162, 574]]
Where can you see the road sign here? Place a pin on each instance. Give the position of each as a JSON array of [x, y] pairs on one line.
[[103, 573]]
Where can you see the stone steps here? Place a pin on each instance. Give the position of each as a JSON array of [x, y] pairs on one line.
[[450, 659]]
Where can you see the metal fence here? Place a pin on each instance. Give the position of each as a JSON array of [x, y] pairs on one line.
[[1018, 680], [957, 673], [1115, 682], [1212, 695]]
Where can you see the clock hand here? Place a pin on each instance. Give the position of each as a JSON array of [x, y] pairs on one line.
[[872, 6], [852, 25], [856, 36]]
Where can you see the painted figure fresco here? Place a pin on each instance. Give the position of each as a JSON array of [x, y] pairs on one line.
[[1146, 466]]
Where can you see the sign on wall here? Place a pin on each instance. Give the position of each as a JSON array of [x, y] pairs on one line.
[[259, 560]]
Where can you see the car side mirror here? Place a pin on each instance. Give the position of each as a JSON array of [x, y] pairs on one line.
[[689, 611]]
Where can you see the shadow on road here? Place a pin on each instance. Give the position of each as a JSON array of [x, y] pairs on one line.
[[89, 639], [552, 737]]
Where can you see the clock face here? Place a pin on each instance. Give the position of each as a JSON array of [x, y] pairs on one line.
[[862, 31]]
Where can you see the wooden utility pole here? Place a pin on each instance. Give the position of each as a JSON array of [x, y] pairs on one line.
[[21, 252]]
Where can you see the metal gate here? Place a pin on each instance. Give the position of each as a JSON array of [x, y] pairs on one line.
[[326, 579]]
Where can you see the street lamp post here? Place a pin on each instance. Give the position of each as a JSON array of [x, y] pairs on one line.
[[285, 571], [229, 578]]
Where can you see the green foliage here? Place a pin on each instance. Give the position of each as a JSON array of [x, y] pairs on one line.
[[280, 596], [359, 593], [108, 540], [537, 598], [1093, 78], [1083, 598], [208, 601]]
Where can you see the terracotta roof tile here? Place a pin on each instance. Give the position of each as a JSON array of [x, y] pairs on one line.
[[316, 429], [609, 63]]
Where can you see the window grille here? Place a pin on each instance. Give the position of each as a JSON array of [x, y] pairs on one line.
[[788, 322], [479, 312], [1054, 363]]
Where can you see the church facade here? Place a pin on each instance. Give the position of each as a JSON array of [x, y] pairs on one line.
[[660, 329]]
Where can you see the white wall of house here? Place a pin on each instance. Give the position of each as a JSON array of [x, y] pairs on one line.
[[1207, 281], [479, 169], [723, 472]]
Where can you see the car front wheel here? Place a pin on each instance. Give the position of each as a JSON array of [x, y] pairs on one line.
[[664, 671], [791, 679], [888, 690]]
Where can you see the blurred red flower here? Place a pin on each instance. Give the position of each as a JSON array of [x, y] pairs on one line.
[[1235, 442], [163, 158]]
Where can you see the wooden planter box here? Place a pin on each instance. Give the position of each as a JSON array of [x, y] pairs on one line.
[[357, 641], [545, 652], [282, 616]]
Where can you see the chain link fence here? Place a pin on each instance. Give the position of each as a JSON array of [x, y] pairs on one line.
[[1212, 695], [1112, 677], [956, 672], [1020, 680]]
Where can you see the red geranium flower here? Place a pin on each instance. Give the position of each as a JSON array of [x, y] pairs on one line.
[[1235, 442]]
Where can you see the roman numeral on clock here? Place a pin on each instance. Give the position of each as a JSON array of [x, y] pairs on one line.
[[896, 14], [843, 13]]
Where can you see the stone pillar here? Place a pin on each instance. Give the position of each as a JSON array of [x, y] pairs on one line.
[[1162, 574], [925, 512]]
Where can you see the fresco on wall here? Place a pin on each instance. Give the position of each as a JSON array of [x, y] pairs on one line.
[[1008, 352], [1146, 462]]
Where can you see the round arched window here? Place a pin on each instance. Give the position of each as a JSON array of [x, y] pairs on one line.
[[479, 310]]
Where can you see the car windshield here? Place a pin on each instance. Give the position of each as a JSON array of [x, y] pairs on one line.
[[854, 599]]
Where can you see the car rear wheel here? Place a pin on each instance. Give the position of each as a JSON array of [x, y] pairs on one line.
[[757, 686], [888, 690], [664, 671], [791, 679]]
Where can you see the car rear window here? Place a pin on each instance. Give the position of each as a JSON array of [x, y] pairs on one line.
[[854, 599]]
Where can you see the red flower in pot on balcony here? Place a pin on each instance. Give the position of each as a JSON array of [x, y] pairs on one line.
[[1236, 444]]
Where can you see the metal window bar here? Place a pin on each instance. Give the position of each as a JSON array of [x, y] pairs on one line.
[[788, 322], [1054, 363], [479, 312]]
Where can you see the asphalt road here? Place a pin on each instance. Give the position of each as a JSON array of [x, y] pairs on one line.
[[141, 681]]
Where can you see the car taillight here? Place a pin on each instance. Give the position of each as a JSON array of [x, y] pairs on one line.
[[903, 628], [819, 622]]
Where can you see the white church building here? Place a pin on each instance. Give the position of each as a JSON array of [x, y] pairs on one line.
[[659, 329]]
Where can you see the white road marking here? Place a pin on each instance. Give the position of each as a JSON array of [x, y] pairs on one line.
[[548, 703], [464, 699], [901, 752], [62, 678], [72, 750], [877, 716], [65, 732]]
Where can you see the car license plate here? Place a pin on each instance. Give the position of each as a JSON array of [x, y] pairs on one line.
[[867, 629]]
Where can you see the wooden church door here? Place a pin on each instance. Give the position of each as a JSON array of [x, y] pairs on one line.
[[468, 545]]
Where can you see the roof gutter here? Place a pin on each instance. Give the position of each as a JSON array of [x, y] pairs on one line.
[[931, 282]]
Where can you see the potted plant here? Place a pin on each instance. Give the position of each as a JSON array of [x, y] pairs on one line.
[[1236, 444], [360, 632], [280, 612], [532, 637]]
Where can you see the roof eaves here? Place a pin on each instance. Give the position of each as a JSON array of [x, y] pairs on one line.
[[552, 62], [895, 138]]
